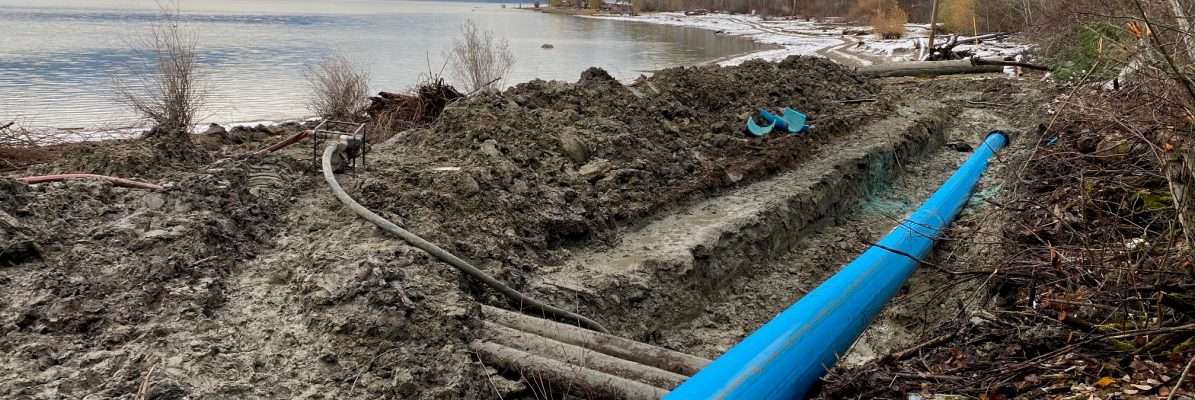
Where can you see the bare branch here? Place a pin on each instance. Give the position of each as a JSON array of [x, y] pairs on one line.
[[171, 94], [479, 60], [340, 89]]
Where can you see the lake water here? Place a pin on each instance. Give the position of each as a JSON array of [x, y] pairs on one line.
[[59, 58]]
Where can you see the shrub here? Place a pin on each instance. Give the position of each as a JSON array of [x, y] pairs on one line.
[[340, 89], [478, 60], [1078, 50], [885, 16], [171, 94]]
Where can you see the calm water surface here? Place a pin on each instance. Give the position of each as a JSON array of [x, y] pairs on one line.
[[59, 58]]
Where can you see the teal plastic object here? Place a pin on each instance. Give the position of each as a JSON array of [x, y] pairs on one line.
[[756, 130], [794, 118], [776, 120], [784, 358]]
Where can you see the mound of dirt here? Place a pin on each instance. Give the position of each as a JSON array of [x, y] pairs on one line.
[[152, 158], [504, 179], [121, 264], [245, 278]]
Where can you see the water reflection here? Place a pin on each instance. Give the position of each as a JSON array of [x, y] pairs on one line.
[[59, 57]]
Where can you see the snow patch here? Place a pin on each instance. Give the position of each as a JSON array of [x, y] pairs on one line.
[[813, 38]]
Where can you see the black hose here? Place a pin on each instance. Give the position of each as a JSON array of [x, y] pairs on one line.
[[445, 256]]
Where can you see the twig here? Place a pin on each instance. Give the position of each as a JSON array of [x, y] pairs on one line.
[[905, 254], [1179, 385], [145, 381], [932, 342], [1178, 74], [488, 377], [928, 376]]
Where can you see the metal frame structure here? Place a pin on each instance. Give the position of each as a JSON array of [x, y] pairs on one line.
[[352, 134]]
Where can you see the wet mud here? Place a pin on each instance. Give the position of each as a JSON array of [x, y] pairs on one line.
[[246, 279]]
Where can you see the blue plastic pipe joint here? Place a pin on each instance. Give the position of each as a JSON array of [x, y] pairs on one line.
[[785, 357]]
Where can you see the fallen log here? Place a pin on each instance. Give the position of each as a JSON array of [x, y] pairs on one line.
[[576, 355], [981, 61], [592, 384], [623, 348], [975, 39], [927, 68], [945, 51]]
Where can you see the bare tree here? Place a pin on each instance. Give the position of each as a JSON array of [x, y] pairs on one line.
[[479, 60], [340, 89], [171, 94], [1184, 26]]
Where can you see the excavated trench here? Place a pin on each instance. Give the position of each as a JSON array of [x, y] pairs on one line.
[[749, 301], [247, 279], [701, 278], [662, 273]]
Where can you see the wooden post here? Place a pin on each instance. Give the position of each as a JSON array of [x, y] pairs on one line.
[[933, 29]]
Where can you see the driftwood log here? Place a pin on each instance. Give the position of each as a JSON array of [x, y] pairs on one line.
[[955, 42], [927, 68], [584, 380], [576, 355], [562, 357], [982, 61], [945, 50], [623, 348], [951, 67]]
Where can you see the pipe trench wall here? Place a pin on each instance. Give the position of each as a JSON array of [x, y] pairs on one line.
[[677, 288], [785, 357]]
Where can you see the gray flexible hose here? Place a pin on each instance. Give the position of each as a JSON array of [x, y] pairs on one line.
[[445, 256]]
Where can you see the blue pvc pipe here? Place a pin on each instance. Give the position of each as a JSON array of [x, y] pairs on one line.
[[757, 130], [777, 120], [786, 356]]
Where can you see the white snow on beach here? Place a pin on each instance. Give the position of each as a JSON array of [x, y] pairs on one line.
[[815, 38], [792, 36]]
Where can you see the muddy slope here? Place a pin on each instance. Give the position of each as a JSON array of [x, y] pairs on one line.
[[117, 263], [547, 166]]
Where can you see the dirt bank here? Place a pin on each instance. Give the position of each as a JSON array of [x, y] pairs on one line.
[[507, 180]]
